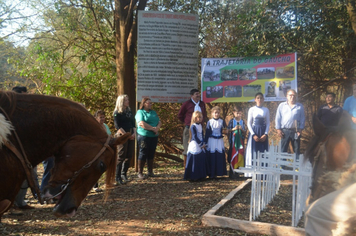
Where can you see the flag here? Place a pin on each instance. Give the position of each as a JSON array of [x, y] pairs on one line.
[[237, 154]]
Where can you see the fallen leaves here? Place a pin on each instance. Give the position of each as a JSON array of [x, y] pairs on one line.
[[163, 205]]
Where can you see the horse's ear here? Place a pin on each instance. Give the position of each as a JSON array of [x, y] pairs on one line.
[[318, 127], [120, 140], [345, 122]]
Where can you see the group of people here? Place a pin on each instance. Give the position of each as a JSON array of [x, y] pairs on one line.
[[204, 151], [148, 126], [204, 154]]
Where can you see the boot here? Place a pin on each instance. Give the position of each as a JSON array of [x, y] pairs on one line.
[[150, 168], [141, 164], [125, 167]]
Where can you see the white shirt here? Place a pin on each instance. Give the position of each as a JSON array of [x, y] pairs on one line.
[[255, 112]]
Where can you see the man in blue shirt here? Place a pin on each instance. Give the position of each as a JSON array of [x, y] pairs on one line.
[[350, 106], [290, 121]]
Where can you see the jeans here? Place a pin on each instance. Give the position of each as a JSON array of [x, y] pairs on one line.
[[47, 166], [289, 136], [147, 147]]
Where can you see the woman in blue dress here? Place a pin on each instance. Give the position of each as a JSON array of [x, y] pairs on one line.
[[214, 139], [258, 125], [196, 166]]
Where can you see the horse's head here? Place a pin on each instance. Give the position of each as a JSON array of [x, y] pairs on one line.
[[78, 166], [329, 150]]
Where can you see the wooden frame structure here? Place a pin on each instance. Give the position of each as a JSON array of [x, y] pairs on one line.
[[211, 219]]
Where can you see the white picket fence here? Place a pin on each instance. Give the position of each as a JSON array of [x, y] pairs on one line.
[[266, 172]]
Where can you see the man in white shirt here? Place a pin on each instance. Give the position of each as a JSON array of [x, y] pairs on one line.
[[290, 121]]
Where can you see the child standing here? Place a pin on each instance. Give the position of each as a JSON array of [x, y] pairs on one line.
[[236, 141], [195, 168], [214, 139], [100, 117]]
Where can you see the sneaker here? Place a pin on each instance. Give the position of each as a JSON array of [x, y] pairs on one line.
[[50, 201], [119, 182], [141, 176], [124, 178], [98, 190]]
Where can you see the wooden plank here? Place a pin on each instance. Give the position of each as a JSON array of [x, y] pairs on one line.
[[252, 227], [210, 219], [226, 199]]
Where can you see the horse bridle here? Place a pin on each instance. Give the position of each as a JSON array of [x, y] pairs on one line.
[[320, 145], [321, 149], [26, 164], [76, 174]]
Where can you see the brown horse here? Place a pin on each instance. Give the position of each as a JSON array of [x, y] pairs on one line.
[[35, 127], [332, 155]]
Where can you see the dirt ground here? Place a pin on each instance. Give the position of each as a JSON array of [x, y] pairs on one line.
[[163, 205]]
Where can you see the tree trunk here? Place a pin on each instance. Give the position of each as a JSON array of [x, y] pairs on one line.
[[125, 20]]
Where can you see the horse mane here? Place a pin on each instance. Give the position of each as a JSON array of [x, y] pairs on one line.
[[5, 129], [110, 176], [5, 125], [334, 180], [321, 132]]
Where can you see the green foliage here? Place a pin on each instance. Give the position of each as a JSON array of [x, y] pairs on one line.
[[74, 55], [75, 59], [8, 76], [320, 32]]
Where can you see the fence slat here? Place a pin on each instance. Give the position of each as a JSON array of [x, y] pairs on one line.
[[266, 170]]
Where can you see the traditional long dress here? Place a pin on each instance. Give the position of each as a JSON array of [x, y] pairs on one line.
[[236, 141], [258, 124], [196, 165], [216, 149]]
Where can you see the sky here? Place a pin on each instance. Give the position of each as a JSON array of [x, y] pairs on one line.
[[17, 19]]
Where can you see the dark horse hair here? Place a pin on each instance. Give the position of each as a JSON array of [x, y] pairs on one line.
[[46, 126], [332, 155]]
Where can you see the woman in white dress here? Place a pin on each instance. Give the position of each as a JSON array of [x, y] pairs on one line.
[[258, 125]]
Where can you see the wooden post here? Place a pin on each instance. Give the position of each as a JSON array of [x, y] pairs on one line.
[[136, 147]]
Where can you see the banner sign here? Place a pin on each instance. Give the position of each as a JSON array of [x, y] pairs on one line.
[[239, 79], [167, 55]]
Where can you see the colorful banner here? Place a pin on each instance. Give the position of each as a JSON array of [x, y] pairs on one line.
[[239, 79]]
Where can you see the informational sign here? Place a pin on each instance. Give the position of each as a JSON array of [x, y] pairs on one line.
[[239, 79], [167, 55]]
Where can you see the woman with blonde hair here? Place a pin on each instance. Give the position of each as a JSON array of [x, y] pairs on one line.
[[124, 122], [196, 165]]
